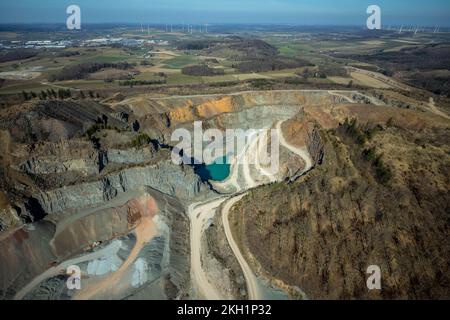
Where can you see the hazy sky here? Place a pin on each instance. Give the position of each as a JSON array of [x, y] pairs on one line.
[[348, 12]]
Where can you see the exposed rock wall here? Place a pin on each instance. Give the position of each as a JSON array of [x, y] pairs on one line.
[[89, 166], [324, 230], [29, 252], [165, 177], [176, 273], [221, 263], [130, 156], [314, 143]]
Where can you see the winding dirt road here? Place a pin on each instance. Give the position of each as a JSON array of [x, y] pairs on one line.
[[108, 251], [199, 214], [202, 212], [253, 288], [145, 231], [302, 152]]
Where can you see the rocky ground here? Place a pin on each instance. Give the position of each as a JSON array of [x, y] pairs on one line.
[[222, 260], [73, 173], [379, 197]]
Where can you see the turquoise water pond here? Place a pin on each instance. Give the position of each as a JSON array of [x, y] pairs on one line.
[[217, 171]]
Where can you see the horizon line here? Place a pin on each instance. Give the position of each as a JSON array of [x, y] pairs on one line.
[[219, 24]]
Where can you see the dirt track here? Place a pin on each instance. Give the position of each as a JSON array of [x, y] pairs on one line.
[[200, 213], [145, 231]]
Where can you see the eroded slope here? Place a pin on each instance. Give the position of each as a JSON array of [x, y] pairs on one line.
[[379, 198]]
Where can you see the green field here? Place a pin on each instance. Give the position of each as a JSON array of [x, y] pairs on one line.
[[179, 78], [180, 62], [102, 58], [28, 86]]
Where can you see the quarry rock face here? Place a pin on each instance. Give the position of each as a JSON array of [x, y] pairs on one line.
[[34, 251], [133, 156], [165, 177], [93, 185], [79, 196], [329, 226]]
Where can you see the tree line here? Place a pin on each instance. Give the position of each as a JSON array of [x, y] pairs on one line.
[[81, 71], [60, 94]]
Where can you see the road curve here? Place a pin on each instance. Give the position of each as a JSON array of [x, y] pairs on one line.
[[201, 212], [302, 152], [253, 288], [109, 250]]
